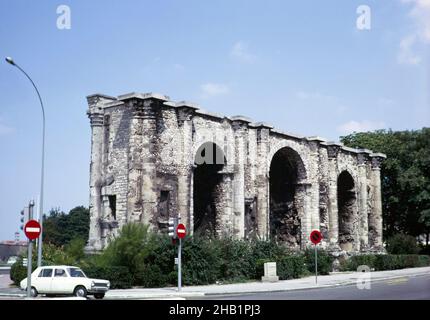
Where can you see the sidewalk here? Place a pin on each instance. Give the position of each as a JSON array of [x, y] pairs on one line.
[[334, 279]]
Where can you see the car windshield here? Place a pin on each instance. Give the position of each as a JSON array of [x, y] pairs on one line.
[[76, 272]]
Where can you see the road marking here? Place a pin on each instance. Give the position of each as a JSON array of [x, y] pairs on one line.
[[398, 281]]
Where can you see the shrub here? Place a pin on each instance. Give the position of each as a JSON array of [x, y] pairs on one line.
[[423, 261], [130, 248], [18, 272], [402, 244], [119, 276], [201, 261], [264, 251], [158, 269], [291, 267], [388, 261], [235, 262], [355, 261], [325, 261]]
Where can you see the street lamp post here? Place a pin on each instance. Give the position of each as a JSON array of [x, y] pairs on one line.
[[39, 247]]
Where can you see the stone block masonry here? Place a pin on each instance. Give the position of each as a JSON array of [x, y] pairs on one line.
[[153, 159]]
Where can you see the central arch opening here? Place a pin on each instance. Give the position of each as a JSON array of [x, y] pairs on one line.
[[346, 200], [286, 171], [207, 180]]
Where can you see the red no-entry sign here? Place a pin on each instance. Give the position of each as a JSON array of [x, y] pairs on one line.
[[181, 231], [316, 237], [32, 229]]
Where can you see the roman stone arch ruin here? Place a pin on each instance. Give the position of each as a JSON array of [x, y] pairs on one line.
[[153, 159]]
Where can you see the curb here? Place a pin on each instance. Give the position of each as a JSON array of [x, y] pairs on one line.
[[19, 295]]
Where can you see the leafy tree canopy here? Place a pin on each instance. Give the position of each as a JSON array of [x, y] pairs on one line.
[[60, 228]]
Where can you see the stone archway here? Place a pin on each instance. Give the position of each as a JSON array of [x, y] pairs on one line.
[[347, 210], [207, 188], [287, 172]]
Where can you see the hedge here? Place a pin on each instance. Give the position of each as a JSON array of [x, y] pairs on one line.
[[325, 261], [387, 261]]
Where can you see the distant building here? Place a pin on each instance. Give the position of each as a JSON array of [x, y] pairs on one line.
[[11, 248]]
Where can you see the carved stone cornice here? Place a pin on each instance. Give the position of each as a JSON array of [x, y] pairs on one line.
[[377, 159], [333, 150], [96, 119]]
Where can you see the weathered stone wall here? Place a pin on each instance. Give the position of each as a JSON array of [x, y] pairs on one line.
[[144, 169]]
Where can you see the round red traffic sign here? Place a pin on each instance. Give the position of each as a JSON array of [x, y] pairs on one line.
[[32, 229], [181, 231], [316, 237]]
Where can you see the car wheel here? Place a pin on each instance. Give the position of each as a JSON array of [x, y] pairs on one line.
[[80, 291], [99, 295], [33, 292]]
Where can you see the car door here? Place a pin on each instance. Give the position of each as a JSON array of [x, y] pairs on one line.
[[60, 281], [43, 281]]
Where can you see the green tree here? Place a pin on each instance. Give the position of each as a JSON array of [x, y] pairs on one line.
[[60, 228], [405, 177]]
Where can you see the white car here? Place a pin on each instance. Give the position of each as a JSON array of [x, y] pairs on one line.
[[51, 280]]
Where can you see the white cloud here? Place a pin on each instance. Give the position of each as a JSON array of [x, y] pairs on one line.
[[406, 53], [214, 89], [241, 53], [408, 47], [360, 126]]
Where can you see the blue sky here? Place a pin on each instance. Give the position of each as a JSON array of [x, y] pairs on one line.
[[301, 65]]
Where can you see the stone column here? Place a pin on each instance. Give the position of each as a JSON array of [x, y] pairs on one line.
[[239, 125], [375, 219], [333, 150], [302, 201], [185, 112], [313, 178], [323, 175], [150, 109], [223, 201], [262, 180], [95, 179], [134, 201], [96, 114], [362, 158]]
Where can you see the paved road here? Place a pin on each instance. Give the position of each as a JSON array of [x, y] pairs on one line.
[[407, 288]]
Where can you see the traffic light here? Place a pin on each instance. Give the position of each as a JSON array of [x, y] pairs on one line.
[[173, 223], [25, 216]]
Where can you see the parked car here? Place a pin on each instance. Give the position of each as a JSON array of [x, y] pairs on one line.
[[65, 280]]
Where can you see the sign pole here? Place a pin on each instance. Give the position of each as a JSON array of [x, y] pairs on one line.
[[316, 265], [316, 238], [29, 258], [179, 265]]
